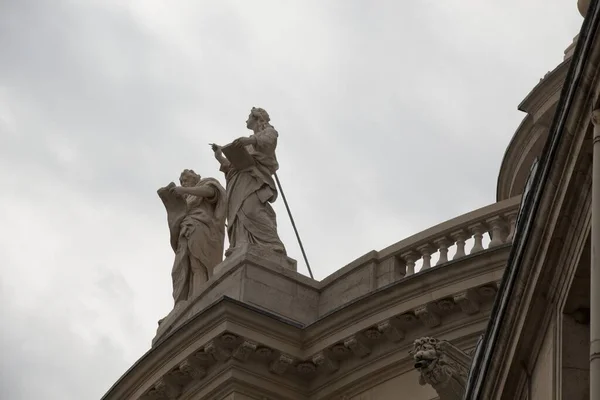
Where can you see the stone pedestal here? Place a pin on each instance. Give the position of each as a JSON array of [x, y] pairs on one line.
[[255, 276]]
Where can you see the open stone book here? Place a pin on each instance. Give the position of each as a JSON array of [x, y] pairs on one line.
[[238, 156]]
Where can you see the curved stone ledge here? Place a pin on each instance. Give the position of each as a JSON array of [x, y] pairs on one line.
[[335, 351], [224, 338]]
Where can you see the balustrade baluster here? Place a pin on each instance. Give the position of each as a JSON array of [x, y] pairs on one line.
[[512, 220], [460, 238], [443, 244], [497, 231], [477, 231], [410, 258], [426, 250]]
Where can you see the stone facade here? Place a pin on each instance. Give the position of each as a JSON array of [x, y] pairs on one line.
[[540, 341], [261, 330]]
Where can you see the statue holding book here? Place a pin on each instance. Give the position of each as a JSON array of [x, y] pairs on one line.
[[249, 164], [196, 213]]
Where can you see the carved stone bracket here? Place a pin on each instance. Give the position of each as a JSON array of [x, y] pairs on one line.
[[244, 350], [306, 368], [468, 301], [443, 366], [163, 389], [428, 316], [218, 352], [202, 358], [281, 364], [391, 330], [324, 362], [488, 290], [192, 369], [357, 345]]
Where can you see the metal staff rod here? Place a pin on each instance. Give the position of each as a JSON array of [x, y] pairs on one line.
[[287, 207]]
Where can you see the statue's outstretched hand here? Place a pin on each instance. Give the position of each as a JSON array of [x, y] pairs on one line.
[[216, 148]]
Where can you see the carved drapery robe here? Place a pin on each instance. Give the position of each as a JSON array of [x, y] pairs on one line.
[[198, 238], [250, 217]]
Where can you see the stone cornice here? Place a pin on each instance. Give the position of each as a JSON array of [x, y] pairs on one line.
[[194, 334], [233, 332], [545, 91], [529, 138], [441, 282], [526, 144], [302, 336]]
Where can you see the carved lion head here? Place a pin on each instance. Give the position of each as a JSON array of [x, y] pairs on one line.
[[425, 352]]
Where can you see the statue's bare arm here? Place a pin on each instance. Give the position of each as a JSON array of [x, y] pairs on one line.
[[219, 155], [198, 191]]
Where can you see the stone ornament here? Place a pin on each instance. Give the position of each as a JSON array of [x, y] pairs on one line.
[[249, 164], [281, 364], [324, 362], [244, 350], [196, 213], [441, 365], [391, 330]]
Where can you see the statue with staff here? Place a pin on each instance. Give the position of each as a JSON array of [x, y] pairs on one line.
[[249, 164]]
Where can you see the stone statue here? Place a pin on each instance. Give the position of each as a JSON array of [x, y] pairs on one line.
[[249, 164], [196, 213], [443, 366]]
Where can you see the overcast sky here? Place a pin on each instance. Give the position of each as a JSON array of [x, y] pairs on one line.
[[393, 116]]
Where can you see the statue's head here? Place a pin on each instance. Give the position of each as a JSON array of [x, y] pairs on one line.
[[189, 178], [258, 118]]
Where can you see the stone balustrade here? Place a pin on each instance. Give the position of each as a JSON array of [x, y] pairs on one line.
[[465, 236], [455, 238]]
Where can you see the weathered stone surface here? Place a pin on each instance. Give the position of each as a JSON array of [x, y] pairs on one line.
[[252, 163], [468, 301], [325, 362], [390, 328], [244, 350], [443, 366], [357, 345], [196, 213], [428, 315], [281, 364], [217, 351]]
